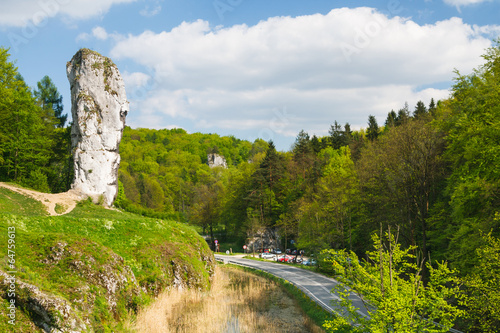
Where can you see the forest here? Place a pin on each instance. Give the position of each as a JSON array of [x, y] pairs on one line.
[[429, 175]]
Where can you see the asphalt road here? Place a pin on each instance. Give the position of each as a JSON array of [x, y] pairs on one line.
[[314, 285], [318, 287]]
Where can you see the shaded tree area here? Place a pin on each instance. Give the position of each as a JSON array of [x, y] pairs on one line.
[[34, 145]]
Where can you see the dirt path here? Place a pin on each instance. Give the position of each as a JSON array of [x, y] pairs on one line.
[[66, 200]]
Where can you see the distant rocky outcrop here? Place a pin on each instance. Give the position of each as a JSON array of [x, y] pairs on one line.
[[99, 106], [264, 238], [216, 160]]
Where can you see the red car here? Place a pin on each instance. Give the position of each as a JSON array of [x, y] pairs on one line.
[[284, 258]]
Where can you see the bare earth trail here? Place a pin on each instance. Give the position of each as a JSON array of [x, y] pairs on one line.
[[67, 200]]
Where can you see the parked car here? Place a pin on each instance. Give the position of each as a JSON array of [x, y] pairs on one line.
[[309, 262], [266, 255], [284, 258]]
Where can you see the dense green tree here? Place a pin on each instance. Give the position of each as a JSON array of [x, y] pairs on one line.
[[324, 214], [400, 178], [206, 209], [337, 138], [373, 130], [482, 288], [471, 119], [266, 185], [390, 121], [432, 107], [347, 135], [391, 284], [302, 147], [315, 144], [340, 137], [403, 115], [26, 144], [420, 110], [50, 100]]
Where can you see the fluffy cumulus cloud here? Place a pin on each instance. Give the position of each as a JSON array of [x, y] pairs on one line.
[[290, 73], [21, 13]]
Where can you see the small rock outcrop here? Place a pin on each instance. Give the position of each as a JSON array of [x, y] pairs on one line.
[[99, 106], [216, 160], [49, 312]]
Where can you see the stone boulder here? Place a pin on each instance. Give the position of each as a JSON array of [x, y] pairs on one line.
[[99, 106], [216, 160]]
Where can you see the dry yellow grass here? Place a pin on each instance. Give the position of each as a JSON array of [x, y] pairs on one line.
[[237, 302]]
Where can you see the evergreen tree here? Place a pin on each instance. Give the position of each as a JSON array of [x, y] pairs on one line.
[[403, 115], [50, 100], [303, 154], [315, 144], [432, 107], [373, 130], [302, 145], [265, 189], [346, 135], [335, 135], [420, 110], [390, 121]]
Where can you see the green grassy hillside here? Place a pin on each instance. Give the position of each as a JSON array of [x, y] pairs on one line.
[[92, 269]]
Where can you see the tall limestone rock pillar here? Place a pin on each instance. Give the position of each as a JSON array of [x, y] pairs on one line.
[[98, 106]]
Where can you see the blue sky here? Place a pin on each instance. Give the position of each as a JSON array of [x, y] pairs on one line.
[[253, 68]]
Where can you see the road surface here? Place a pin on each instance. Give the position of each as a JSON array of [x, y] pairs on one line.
[[318, 287]]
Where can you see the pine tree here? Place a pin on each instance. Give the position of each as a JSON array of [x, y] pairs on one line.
[[390, 121], [373, 130], [432, 107], [420, 110], [315, 144], [335, 135], [346, 135], [50, 100], [403, 115]]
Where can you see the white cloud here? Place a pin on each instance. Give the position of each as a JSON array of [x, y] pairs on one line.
[[135, 80], [319, 68], [83, 37], [100, 33], [458, 3], [150, 12], [21, 13]]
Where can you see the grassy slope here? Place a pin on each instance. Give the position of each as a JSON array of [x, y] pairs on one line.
[[75, 256]]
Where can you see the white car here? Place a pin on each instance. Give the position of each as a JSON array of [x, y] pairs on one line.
[[266, 255]]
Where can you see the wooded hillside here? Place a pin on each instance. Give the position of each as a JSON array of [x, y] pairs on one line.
[[430, 171]]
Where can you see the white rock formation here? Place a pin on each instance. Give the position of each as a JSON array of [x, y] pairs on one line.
[[99, 106], [216, 160]]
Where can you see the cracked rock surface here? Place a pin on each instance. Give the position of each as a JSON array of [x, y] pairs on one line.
[[99, 106]]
